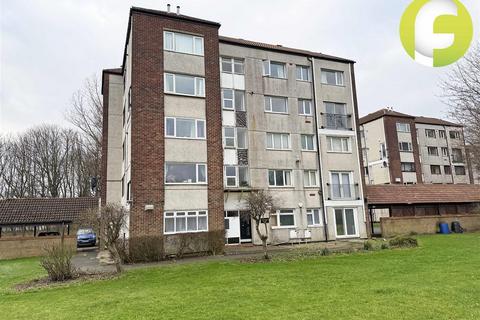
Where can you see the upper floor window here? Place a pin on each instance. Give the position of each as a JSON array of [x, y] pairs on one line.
[[441, 134], [278, 141], [276, 104], [432, 151], [184, 85], [304, 107], [303, 73], [313, 217], [341, 187], [185, 128], [232, 65], [236, 176], [403, 127], [336, 116], [310, 178], [405, 146], [184, 43], [229, 137], [185, 173], [338, 144], [332, 77], [454, 135], [444, 151], [308, 142], [460, 170], [457, 155], [233, 99], [274, 69], [235, 138], [383, 151], [407, 166], [430, 133], [280, 178]]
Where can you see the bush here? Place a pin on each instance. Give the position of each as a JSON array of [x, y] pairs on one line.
[[325, 252], [58, 262], [216, 242], [403, 242], [368, 245], [142, 249], [385, 245]]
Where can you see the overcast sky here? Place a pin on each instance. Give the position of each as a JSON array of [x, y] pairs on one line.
[[49, 47]]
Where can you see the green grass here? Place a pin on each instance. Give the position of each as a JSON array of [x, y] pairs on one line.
[[438, 280]]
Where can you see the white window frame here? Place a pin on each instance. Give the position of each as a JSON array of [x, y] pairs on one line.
[[307, 183], [197, 121], [170, 214], [432, 148], [173, 47], [197, 166], [303, 138], [268, 106], [284, 137], [301, 107], [409, 163], [442, 134], [455, 133], [284, 212], [233, 99], [310, 211], [355, 222], [403, 127], [237, 176], [339, 77], [409, 146], [232, 64], [238, 130], [341, 184], [304, 70], [234, 137], [444, 151], [429, 131], [199, 89], [343, 139], [284, 178], [267, 69]]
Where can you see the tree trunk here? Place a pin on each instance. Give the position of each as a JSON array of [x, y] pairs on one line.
[[265, 252], [116, 258]]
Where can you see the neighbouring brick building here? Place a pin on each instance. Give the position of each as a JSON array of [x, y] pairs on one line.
[[193, 121]]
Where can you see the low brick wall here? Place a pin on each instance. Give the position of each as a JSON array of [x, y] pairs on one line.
[[21, 247], [426, 224]]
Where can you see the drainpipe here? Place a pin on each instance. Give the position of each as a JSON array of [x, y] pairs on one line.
[[319, 156]]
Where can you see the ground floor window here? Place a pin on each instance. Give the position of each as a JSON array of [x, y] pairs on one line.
[[284, 218], [313, 217], [185, 221], [345, 222]]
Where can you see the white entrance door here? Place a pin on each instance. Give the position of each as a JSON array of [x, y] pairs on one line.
[[345, 223], [232, 227]]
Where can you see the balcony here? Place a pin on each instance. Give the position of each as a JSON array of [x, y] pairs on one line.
[[336, 121], [343, 191]]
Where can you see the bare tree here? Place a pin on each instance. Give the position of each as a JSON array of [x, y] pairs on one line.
[[461, 92], [108, 222], [261, 206]]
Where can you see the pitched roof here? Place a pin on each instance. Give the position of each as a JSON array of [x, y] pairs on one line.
[[381, 113], [43, 210], [436, 121], [422, 193], [280, 48]]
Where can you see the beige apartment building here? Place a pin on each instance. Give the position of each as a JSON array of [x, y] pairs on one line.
[[194, 121]]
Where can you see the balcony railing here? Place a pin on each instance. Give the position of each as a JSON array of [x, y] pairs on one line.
[[337, 121], [343, 191]]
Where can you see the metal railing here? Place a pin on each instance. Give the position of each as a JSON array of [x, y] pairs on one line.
[[337, 121], [343, 191]]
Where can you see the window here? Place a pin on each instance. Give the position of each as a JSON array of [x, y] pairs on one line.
[[403, 127], [341, 187], [454, 135], [279, 178], [457, 155], [308, 142], [383, 151], [184, 128], [332, 77], [432, 151], [447, 169], [284, 218], [185, 221], [276, 104], [303, 73], [430, 133], [232, 65], [185, 85], [345, 222], [229, 137], [338, 144], [408, 166], [242, 141], [278, 141], [435, 169], [183, 43], [310, 178], [313, 217], [304, 107], [185, 173], [233, 99], [129, 191], [274, 69], [441, 134], [236, 176], [405, 146], [444, 152], [336, 116], [460, 170]]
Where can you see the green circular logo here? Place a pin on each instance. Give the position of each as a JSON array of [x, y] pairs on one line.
[[436, 33]]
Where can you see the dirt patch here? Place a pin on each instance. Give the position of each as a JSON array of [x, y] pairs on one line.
[[78, 278]]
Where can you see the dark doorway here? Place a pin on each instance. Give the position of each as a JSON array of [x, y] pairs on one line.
[[245, 228]]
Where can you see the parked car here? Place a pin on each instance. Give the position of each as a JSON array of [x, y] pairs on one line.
[[48, 234], [86, 237]]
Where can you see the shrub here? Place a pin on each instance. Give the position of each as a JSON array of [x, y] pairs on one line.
[[184, 243], [325, 252], [58, 262], [216, 242], [368, 245], [143, 249], [403, 242], [385, 245]]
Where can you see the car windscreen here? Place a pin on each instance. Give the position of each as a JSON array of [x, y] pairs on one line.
[[84, 231]]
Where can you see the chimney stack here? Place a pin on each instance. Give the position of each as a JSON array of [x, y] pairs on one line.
[[168, 8], [178, 10]]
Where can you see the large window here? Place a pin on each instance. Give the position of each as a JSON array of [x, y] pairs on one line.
[[303, 73], [235, 138], [313, 217], [233, 99], [185, 221], [184, 85], [274, 69], [242, 139], [284, 218], [232, 65], [279, 178], [229, 137], [332, 77], [432, 151], [308, 142], [236, 176], [278, 141], [457, 155], [435, 170], [430, 133], [407, 166], [454, 134], [185, 173], [338, 144], [185, 128], [403, 127], [460, 170], [336, 116], [184, 43], [405, 146], [276, 104], [341, 187], [345, 222], [304, 107], [310, 178]]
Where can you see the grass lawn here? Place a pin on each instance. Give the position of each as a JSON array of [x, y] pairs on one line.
[[438, 280]]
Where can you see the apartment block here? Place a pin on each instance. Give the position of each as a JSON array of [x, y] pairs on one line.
[[398, 148], [194, 121]]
